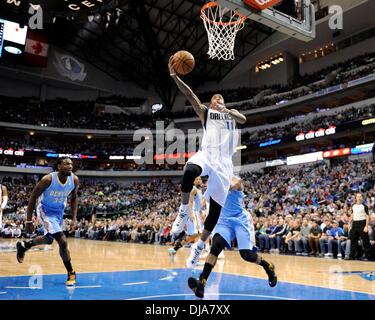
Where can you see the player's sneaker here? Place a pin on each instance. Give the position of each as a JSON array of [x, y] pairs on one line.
[[71, 281], [21, 250], [181, 220], [193, 259], [272, 278], [171, 254], [197, 286]]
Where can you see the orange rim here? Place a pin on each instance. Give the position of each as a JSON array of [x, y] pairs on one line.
[[208, 5]]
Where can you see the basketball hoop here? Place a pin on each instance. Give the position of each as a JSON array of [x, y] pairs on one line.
[[222, 25]]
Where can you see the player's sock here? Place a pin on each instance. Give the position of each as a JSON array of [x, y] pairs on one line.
[[206, 272], [180, 236], [177, 246], [68, 266], [264, 264]]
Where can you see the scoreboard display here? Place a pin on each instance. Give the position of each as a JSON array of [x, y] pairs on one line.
[[1, 36]]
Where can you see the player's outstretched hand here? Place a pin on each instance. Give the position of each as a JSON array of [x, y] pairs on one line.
[[172, 71]]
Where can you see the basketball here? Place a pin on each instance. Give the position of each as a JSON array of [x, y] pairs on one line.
[[183, 62]]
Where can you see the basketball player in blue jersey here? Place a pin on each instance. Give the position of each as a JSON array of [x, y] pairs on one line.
[[49, 197], [214, 159], [193, 225], [234, 223]]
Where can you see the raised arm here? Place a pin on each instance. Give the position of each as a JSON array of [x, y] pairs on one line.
[[199, 108]]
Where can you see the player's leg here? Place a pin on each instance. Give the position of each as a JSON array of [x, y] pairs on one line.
[[209, 225], [65, 256], [178, 244], [197, 285], [253, 257], [23, 246], [244, 234], [191, 172]]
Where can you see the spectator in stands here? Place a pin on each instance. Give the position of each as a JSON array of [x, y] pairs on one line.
[[276, 235], [326, 233], [305, 232], [314, 237], [264, 241], [293, 238], [345, 243], [334, 241]]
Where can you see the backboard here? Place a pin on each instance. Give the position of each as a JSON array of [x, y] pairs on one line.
[[302, 29]]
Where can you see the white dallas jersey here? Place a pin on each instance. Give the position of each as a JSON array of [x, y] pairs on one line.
[[220, 133]]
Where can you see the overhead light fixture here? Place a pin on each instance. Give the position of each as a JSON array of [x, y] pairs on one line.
[[90, 18], [54, 20]]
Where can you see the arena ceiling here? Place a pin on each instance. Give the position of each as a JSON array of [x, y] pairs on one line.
[[138, 46]]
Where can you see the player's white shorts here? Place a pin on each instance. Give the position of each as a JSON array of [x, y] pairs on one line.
[[220, 173], [231, 228], [51, 223]]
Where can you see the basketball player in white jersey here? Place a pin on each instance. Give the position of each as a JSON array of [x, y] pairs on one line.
[[3, 204], [214, 159], [193, 227]]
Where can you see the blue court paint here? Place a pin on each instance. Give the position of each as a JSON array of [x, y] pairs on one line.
[[164, 285], [367, 275]]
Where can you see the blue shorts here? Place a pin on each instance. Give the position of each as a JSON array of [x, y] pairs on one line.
[[231, 228], [52, 221]]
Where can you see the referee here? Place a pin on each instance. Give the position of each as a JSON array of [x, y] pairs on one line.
[[359, 228]]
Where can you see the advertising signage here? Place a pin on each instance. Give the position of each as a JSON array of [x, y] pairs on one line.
[[316, 134]]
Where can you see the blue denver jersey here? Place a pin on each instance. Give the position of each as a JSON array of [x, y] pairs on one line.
[[234, 205], [54, 199]]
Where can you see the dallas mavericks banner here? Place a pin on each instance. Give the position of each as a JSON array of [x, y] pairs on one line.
[[69, 67]]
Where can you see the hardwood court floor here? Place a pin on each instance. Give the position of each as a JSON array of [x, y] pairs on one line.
[[108, 257]]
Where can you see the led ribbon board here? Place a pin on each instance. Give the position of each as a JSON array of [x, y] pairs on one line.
[[1, 36]]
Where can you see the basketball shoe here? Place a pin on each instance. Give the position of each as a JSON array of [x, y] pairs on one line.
[[181, 219], [272, 279], [71, 281], [171, 254], [21, 250], [193, 259], [197, 286]]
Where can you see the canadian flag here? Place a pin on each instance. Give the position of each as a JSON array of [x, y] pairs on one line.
[[36, 50]]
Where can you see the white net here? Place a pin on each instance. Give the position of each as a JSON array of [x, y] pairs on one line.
[[222, 25]]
